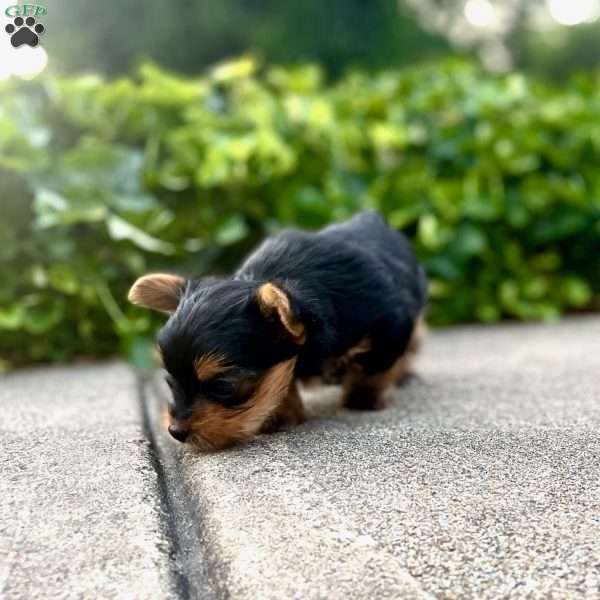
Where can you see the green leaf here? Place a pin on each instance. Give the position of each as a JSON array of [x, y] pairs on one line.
[[231, 231], [576, 291], [119, 229], [63, 279], [42, 318], [12, 317]]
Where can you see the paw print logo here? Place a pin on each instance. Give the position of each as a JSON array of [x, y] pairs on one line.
[[24, 32]]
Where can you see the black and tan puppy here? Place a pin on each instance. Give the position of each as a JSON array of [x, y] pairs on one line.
[[345, 300]]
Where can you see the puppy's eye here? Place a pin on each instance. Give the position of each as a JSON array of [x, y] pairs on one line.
[[219, 388], [226, 392]]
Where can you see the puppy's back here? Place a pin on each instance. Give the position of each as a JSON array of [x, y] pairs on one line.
[[369, 233]]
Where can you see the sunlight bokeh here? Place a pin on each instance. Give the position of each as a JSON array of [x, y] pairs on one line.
[[481, 13], [24, 62], [574, 12]]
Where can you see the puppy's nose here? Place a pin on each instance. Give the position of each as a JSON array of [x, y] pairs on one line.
[[179, 434]]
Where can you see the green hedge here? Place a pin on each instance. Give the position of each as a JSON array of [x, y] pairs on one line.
[[496, 179]]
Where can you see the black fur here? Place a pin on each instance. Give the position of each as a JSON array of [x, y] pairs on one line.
[[350, 280]]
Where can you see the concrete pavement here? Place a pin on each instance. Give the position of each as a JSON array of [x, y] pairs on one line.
[[80, 509], [482, 480]]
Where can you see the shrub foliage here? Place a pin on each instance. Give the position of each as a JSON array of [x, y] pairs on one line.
[[495, 178]]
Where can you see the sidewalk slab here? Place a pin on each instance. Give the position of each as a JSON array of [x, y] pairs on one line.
[[80, 512], [481, 480]]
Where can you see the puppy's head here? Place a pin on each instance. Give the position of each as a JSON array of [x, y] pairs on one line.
[[229, 349]]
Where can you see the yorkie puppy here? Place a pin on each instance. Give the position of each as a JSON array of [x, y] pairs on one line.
[[343, 303]]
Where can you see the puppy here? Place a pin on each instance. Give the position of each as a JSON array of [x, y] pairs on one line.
[[341, 303]]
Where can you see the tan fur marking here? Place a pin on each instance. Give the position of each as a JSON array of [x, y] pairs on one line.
[[270, 299], [335, 369], [218, 427], [363, 346], [290, 411], [158, 291], [209, 365], [418, 335]]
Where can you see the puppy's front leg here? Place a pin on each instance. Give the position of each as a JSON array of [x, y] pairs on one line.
[[368, 392], [365, 392], [289, 413], [365, 387]]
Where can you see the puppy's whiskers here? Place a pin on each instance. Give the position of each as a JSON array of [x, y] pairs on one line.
[[200, 443]]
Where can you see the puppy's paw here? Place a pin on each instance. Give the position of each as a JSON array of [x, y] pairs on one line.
[[283, 421]]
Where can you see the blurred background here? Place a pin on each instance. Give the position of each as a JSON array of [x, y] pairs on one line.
[[174, 136]]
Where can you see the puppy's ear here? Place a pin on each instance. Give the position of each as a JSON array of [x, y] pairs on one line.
[[158, 291], [275, 303]]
